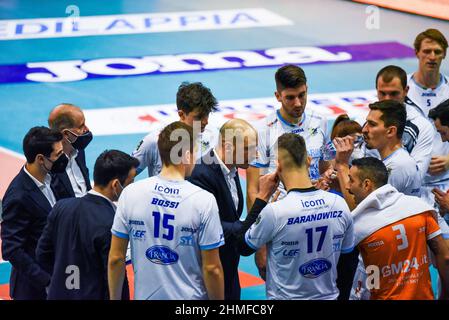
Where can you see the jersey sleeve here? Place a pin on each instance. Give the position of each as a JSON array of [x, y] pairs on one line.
[[349, 239], [262, 160], [147, 153], [422, 151], [443, 226], [263, 230], [432, 227], [210, 234], [328, 151], [398, 179], [120, 227]]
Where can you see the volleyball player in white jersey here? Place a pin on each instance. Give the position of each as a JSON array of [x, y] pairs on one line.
[[292, 117], [440, 116], [417, 139], [427, 89], [173, 227], [305, 232], [194, 102], [383, 131]]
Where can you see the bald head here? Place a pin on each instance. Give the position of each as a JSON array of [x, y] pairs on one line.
[[66, 116], [238, 139], [237, 128]]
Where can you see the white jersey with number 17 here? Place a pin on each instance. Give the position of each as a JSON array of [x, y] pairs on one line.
[[305, 233]]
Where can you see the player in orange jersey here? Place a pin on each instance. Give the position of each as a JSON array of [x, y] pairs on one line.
[[392, 232]]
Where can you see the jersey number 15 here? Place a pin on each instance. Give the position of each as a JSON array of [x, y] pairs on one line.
[[165, 225]]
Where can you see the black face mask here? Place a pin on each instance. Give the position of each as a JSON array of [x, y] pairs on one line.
[[59, 164], [82, 141]]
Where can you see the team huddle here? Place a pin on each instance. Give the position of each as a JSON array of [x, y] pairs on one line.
[[356, 211]]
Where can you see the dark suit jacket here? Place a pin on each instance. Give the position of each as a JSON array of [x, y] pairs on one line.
[[210, 177], [25, 211], [78, 233], [60, 182]]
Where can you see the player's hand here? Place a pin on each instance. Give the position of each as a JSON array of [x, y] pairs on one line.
[[322, 183], [267, 185], [344, 147], [442, 198], [438, 165]]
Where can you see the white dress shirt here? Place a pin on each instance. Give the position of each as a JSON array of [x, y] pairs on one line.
[[43, 187], [76, 176], [229, 176]]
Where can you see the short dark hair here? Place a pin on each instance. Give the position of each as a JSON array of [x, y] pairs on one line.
[[289, 76], [432, 34], [390, 72], [393, 114], [441, 112], [166, 142], [39, 140], [64, 119], [113, 164], [373, 169], [295, 146], [195, 96]]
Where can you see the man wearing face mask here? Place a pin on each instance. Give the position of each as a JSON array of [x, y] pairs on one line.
[[69, 120], [26, 205], [75, 243]]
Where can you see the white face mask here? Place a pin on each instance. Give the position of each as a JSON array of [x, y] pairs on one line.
[[115, 193]]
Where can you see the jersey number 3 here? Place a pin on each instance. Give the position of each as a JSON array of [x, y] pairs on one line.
[[401, 236]]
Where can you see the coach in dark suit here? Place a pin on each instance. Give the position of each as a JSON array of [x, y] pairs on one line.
[[217, 173], [26, 205], [74, 181], [75, 243]]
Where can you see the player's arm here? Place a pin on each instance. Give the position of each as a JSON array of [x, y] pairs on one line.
[[252, 185], [117, 266], [348, 261], [344, 147], [146, 153], [441, 251], [213, 274], [422, 151]]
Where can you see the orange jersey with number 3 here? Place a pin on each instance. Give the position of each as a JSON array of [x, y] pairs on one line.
[[397, 253]]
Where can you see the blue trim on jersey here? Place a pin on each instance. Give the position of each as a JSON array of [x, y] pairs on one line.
[[303, 117], [212, 246], [389, 156], [445, 236], [249, 243], [348, 250], [260, 165], [443, 80], [120, 235]]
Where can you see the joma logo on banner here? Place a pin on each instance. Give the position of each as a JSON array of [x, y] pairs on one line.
[[139, 23], [77, 70]]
